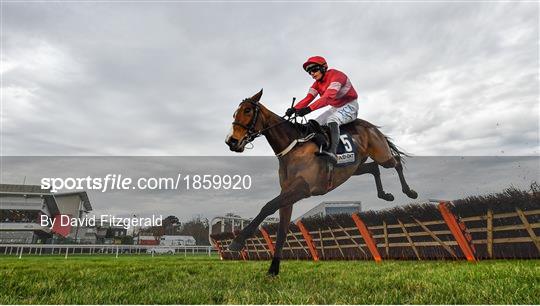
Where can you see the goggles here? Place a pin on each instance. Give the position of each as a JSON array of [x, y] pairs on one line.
[[313, 68]]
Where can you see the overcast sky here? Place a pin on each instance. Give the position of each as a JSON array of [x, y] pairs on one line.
[[163, 79], [147, 78]]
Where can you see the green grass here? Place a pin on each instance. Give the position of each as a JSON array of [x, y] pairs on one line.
[[199, 280]]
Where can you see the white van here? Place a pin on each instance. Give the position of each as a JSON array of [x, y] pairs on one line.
[[172, 240]]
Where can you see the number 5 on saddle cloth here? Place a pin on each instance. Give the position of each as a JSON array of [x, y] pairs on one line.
[[346, 150]]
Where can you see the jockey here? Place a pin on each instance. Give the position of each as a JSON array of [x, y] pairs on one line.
[[336, 91]]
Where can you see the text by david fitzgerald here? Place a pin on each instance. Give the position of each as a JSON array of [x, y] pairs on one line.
[[101, 220]]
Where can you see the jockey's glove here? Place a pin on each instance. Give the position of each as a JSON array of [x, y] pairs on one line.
[[290, 111], [303, 111]]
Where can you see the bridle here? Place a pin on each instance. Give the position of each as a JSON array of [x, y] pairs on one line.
[[251, 133]]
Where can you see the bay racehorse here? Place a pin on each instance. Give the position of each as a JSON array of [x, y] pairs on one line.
[[301, 172]]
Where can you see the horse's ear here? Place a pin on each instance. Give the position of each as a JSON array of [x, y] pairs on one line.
[[257, 96]]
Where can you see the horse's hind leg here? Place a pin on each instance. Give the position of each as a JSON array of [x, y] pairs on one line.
[[383, 152], [373, 168], [404, 186], [395, 162]]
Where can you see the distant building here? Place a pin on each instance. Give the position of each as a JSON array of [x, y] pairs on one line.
[[77, 205], [87, 235], [146, 240], [107, 234], [116, 232], [231, 222], [22, 207], [333, 208], [101, 234], [146, 237]]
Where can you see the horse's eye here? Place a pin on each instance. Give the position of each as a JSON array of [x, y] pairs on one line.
[[247, 111]]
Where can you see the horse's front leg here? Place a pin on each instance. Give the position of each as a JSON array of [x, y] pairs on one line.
[[284, 221], [292, 193]]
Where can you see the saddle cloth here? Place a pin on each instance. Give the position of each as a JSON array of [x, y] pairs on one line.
[[347, 148]]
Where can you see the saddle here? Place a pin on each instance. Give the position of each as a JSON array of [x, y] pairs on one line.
[[321, 137]]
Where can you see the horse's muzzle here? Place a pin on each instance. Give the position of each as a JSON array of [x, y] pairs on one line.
[[234, 145]]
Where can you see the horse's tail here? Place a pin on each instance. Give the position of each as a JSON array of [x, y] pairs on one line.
[[395, 150]]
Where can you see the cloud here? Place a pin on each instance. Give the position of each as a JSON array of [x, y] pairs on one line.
[[165, 79]]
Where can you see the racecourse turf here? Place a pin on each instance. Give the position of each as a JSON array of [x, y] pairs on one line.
[[176, 279]]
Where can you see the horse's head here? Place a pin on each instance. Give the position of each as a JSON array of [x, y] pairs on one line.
[[247, 123]]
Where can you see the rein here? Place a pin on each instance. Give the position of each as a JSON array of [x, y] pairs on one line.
[[250, 128], [272, 126]]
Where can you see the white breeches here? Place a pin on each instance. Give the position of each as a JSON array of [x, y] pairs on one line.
[[340, 115]]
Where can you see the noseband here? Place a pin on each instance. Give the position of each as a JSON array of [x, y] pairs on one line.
[[250, 128]]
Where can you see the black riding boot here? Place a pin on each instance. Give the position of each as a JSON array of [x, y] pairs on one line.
[[334, 140]]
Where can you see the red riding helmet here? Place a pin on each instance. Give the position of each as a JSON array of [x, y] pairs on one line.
[[319, 60]]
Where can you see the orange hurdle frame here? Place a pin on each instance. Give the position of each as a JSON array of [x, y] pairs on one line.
[[268, 240], [218, 246], [370, 242], [458, 230], [309, 240]]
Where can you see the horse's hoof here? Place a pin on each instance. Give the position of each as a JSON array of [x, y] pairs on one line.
[[411, 194], [236, 246], [386, 196], [272, 273], [274, 270], [274, 267]]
